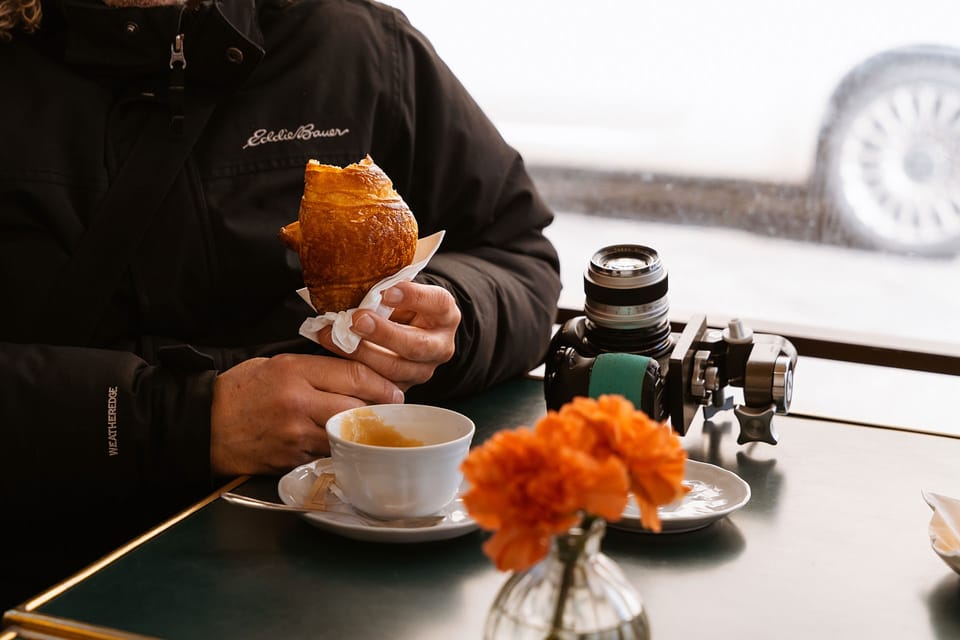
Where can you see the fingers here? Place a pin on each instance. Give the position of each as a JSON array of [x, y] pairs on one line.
[[431, 306], [403, 372], [419, 336], [338, 376], [267, 415], [433, 318]]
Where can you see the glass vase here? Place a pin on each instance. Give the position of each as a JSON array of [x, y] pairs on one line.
[[576, 592]]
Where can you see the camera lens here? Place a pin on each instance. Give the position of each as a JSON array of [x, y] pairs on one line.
[[625, 313], [626, 288]]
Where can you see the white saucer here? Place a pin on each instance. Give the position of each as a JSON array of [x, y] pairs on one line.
[[295, 486], [714, 493]]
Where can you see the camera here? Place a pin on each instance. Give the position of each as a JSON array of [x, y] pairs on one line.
[[624, 344]]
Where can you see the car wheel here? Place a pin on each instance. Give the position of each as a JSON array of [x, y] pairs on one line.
[[888, 162]]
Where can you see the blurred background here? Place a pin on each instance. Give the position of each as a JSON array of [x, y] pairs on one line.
[[795, 163]]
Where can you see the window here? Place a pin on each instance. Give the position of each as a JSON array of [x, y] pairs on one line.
[[796, 164]]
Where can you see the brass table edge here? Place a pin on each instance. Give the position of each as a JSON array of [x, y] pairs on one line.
[[19, 633], [54, 627], [23, 615]]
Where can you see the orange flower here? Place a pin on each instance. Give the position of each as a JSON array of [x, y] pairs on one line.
[[526, 492], [529, 485], [651, 450]]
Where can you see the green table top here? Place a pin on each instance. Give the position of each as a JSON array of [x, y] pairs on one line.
[[832, 544]]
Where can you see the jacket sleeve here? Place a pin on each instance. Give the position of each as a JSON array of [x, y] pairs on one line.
[[458, 174], [99, 427]]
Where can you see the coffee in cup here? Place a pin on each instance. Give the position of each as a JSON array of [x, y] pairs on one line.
[[399, 460]]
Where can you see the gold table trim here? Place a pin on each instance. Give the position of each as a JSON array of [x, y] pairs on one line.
[[23, 615]]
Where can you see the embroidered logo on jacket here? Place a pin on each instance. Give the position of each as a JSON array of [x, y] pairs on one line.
[[307, 131]]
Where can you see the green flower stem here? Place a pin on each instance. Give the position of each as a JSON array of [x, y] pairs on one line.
[[569, 553]]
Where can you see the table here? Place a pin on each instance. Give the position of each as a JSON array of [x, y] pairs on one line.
[[833, 544]]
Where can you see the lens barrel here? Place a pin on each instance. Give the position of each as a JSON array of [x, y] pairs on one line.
[[626, 288]]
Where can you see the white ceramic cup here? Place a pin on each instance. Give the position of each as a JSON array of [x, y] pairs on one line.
[[402, 482]]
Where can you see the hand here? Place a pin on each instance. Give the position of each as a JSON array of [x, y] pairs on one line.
[[418, 337], [268, 414]]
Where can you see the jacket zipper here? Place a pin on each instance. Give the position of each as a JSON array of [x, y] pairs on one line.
[[178, 65]]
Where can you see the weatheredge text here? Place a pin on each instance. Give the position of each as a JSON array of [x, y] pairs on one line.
[[113, 448], [307, 131]]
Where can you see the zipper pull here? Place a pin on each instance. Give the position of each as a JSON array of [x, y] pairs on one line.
[[178, 62], [176, 53]]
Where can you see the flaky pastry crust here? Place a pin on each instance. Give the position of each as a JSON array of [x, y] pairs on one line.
[[353, 230]]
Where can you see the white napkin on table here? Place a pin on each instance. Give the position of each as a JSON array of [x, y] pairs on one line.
[[945, 528], [342, 321]]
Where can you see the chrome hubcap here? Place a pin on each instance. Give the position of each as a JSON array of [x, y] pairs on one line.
[[900, 167]]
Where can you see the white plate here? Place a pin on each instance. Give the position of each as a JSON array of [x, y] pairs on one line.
[[714, 493], [294, 487]]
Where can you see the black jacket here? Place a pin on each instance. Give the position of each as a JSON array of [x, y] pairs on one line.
[[125, 413]]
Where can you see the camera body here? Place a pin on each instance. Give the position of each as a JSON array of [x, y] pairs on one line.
[[624, 344]]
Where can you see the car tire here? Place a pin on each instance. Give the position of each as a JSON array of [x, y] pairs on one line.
[[887, 174]]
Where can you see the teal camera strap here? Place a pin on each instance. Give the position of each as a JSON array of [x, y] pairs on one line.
[[619, 373]]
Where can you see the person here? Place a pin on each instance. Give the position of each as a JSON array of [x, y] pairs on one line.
[[149, 349]]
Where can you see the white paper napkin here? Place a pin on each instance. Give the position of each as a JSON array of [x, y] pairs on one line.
[[342, 321], [945, 528]]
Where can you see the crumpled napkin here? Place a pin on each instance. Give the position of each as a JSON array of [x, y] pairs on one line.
[[342, 321], [945, 528]]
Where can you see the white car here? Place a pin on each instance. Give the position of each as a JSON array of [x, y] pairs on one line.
[[888, 160], [857, 101]]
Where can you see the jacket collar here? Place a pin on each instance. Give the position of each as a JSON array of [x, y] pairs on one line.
[[222, 42]]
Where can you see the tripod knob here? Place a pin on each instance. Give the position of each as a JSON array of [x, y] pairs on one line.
[[756, 425]]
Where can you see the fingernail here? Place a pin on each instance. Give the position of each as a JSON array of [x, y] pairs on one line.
[[363, 325], [393, 296], [398, 397]]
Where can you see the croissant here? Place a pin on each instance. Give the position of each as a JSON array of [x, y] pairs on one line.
[[353, 231]]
